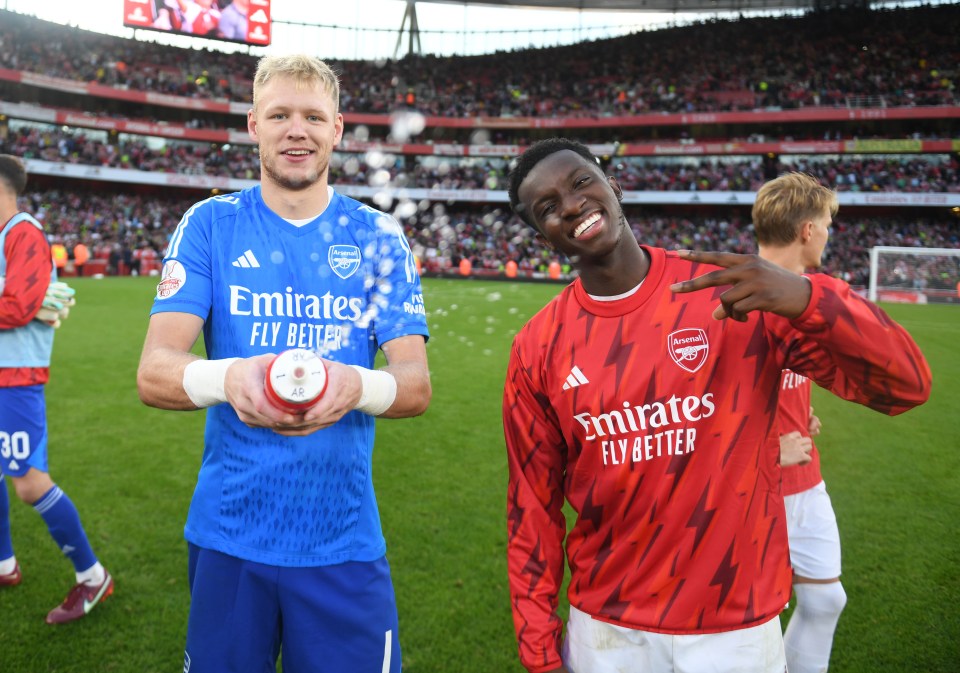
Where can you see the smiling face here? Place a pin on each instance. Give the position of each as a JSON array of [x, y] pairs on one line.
[[573, 205], [296, 126]]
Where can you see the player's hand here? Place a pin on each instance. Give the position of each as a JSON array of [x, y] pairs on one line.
[[56, 304], [756, 285], [344, 389], [795, 449], [814, 425], [244, 388]]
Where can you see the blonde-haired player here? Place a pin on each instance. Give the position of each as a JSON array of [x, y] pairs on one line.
[[791, 217], [284, 529]]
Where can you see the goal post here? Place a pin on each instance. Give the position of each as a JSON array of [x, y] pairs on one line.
[[914, 275]]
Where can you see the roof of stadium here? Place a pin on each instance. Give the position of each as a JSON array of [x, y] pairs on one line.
[[638, 6], [658, 5]]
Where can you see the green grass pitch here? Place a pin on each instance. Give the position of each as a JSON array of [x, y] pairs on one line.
[[441, 482]]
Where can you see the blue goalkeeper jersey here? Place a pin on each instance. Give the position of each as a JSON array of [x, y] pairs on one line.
[[342, 285]]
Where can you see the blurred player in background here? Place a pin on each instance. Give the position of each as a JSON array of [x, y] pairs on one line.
[[791, 218], [653, 413], [196, 17], [233, 20], [32, 303], [283, 529], [205, 16]]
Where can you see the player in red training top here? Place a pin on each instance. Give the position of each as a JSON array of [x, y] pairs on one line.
[[27, 283], [791, 219], [631, 397]]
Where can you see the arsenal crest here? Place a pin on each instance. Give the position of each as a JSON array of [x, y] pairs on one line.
[[344, 260], [688, 348]]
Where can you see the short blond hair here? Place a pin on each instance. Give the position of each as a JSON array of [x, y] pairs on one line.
[[785, 203], [305, 70]]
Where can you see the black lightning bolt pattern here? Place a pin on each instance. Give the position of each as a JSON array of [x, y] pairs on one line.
[[701, 517], [725, 575]]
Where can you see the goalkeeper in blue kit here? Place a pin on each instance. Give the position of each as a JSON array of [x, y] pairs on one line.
[[30, 312], [286, 551]]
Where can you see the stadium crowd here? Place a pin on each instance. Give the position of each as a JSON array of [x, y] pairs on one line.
[[856, 173], [123, 227], [785, 62], [853, 58]]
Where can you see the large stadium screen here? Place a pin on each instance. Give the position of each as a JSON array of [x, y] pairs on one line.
[[246, 21]]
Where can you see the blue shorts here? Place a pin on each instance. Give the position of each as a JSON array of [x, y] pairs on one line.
[[23, 430], [336, 619]]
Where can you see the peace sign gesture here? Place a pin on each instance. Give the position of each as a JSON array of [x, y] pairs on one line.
[[756, 285]]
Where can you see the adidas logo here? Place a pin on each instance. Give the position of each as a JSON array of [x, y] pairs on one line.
[[247, 261], [575, 379]]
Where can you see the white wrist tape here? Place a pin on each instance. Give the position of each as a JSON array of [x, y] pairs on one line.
[[203, 381], [379, 390]]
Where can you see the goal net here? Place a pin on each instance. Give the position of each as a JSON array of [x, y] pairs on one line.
[[914, 275]]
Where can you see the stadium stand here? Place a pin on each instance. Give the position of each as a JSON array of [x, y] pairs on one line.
[[905, 173], [123, 135]]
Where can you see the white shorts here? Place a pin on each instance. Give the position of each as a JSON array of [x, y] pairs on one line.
[[593, 646], [813, 533]]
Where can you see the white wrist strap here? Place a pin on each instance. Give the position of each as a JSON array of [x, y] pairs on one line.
[[379, 390], [203, 381]]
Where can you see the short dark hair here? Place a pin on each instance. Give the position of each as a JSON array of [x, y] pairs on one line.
[[13, 172], [534, 155]]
